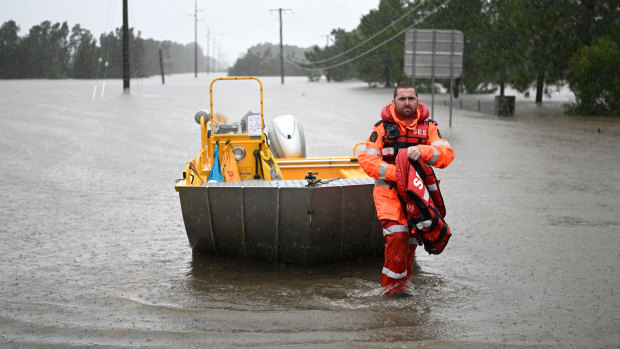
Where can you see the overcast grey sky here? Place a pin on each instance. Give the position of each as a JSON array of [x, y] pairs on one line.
[[233, 25]]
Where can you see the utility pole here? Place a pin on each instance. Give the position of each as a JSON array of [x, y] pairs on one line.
[[327, 39], [125, 48], [196, 38], [214, 56], [161, 67], [208, 34], [281, 45]]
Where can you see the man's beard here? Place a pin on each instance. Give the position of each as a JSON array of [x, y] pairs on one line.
[[407, 111]]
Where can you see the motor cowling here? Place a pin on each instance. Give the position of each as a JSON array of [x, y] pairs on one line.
[[286, 137]]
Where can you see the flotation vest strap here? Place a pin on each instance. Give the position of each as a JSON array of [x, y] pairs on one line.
[[394, 139]]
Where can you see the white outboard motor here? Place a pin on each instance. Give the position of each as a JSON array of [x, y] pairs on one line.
[[286, 137]]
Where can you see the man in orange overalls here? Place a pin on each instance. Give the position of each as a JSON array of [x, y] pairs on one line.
[[404, 125]]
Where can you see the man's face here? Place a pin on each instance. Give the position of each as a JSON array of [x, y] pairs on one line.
[[406, 101]]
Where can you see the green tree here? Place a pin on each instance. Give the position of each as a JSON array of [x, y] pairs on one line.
[[46, 51], [264, 60], [499, 42], [343, 42], [315, 54], [10, 51], [595, 18], [84, 53], [247, 65], [595, 80], [270, 63], [60, 51], [182, 58], [150, 57], [385, 64], [547, 39], [112, 52], [52, 51], [138, 56]]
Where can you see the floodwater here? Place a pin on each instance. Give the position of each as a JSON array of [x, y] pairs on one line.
[[94, 250]]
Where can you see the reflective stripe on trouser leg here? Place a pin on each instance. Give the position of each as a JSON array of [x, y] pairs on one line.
[[398, 254], [413, 244]]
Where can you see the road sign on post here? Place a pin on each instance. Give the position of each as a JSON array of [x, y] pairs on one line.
[[434, 54]]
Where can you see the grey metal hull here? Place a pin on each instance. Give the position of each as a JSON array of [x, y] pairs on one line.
[[283, 221]]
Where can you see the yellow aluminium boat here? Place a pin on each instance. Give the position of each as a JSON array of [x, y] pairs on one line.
[[252, 193]]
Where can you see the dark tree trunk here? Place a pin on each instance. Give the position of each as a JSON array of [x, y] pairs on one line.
[[386, 73], [540, 85]]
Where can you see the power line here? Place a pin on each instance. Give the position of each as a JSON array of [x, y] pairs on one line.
[[323, 11], [367, 39], [371, 49]]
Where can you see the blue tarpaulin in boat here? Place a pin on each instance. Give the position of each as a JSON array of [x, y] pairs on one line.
[[216, 173]]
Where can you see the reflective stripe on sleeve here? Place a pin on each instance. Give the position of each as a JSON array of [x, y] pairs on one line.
[[432, 187], [392, 274], [382, 170], [372, 151], [395, 229], [381, 183], [435, 156], [441, 142]]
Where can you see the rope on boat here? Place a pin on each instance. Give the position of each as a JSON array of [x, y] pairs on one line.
[[193, 168]]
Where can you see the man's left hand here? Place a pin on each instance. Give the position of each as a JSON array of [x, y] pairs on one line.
[[414, 153]]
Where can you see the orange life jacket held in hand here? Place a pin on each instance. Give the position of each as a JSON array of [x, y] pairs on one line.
[[422, 203]]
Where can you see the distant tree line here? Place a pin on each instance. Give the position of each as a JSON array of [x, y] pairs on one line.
[[264, 60], [54, 51], [521, 43]]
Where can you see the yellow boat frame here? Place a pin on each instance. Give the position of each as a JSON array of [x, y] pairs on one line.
[[197, 169]]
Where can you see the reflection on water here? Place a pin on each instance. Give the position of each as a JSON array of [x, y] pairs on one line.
[[252, 285], [349, 290]]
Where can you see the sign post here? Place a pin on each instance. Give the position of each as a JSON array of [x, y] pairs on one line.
[[434, 54]]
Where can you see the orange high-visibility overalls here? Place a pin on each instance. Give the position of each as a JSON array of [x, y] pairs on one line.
[[377, 160]]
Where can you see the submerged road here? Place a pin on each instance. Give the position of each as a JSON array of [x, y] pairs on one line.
[[94, 250]]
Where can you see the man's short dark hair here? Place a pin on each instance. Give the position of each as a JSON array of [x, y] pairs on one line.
[[405, 85]]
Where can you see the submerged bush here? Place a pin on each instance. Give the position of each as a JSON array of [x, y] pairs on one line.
[[595, 80]]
